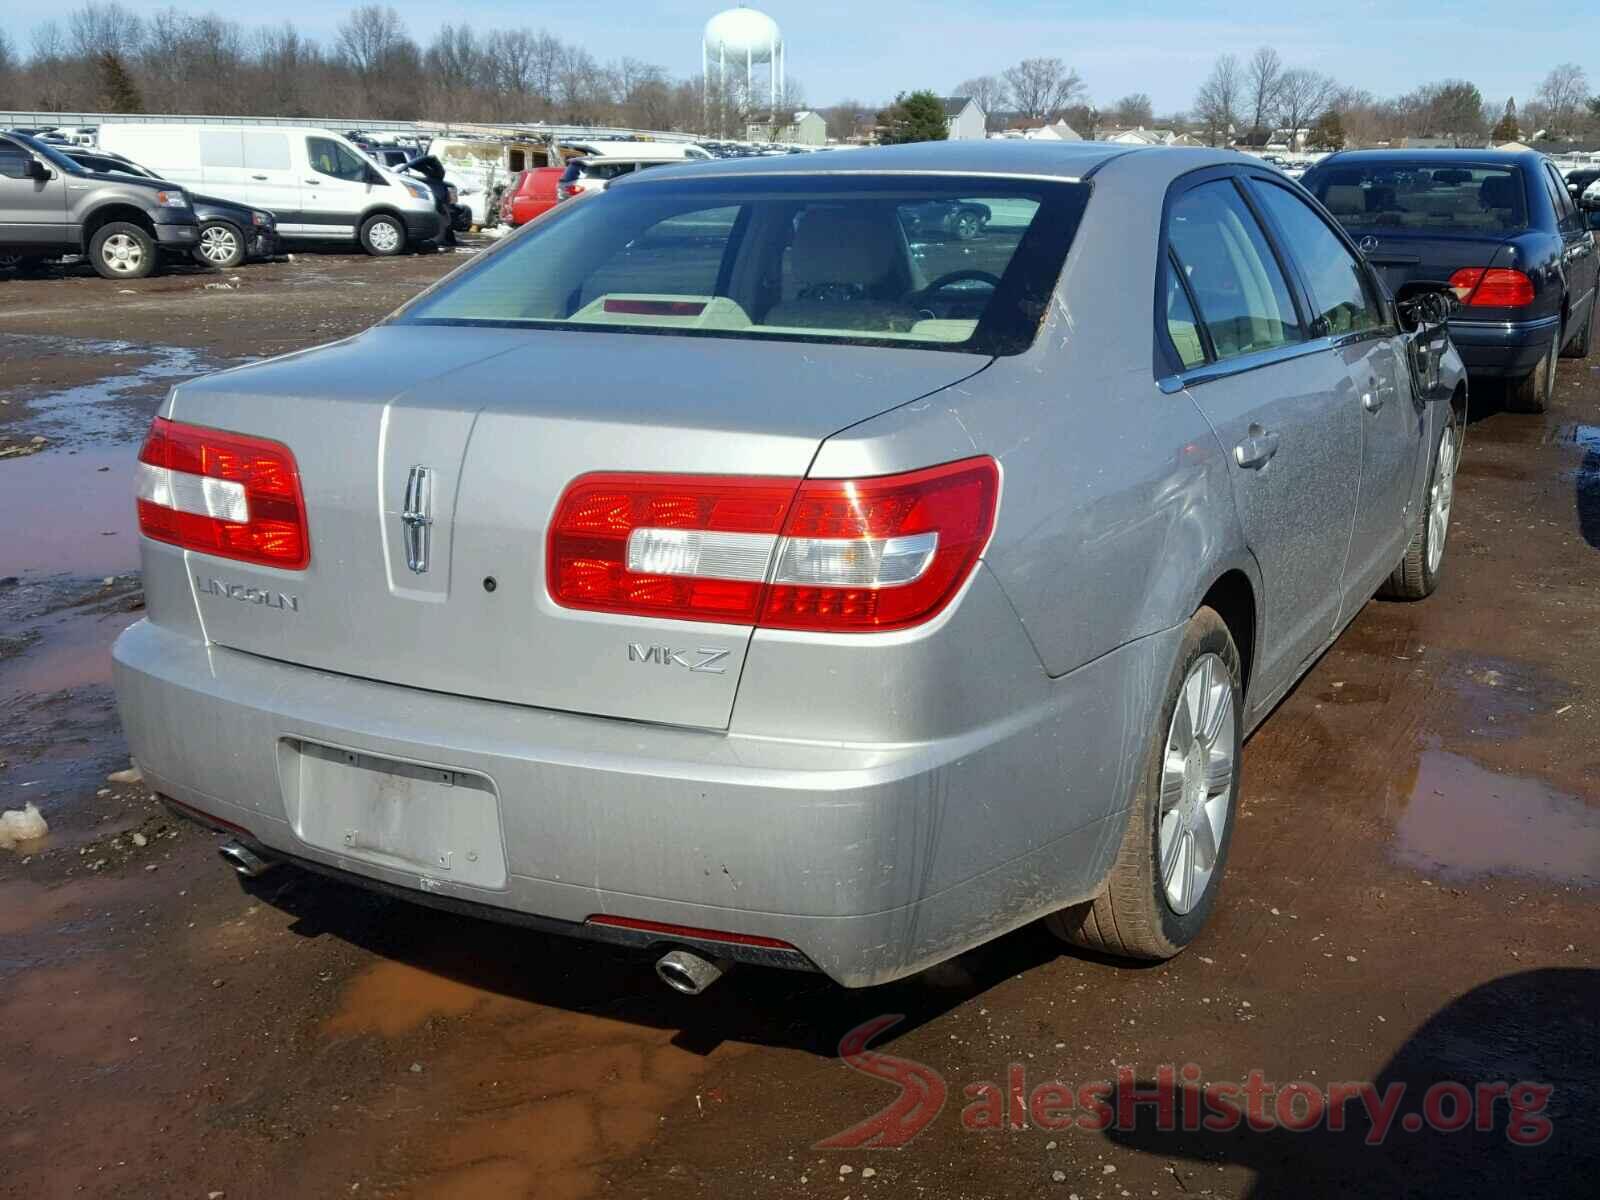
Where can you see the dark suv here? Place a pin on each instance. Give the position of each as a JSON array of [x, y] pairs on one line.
[[1500, 227], [50, 206]]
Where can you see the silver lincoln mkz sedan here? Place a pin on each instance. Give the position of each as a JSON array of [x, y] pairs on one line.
[[733, 565]]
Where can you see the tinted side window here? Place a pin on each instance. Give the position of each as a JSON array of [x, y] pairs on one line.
[[221, 149], [13, 162], [1235, 278], [1340, 298], [1566, 212], [1182, 324], [328, 157]]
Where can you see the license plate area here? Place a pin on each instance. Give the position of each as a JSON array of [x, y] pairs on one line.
[[437, 821]]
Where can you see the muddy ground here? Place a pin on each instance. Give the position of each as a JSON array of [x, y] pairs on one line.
[[1413, 897]]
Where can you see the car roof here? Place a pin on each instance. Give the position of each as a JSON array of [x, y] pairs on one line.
[[1065, 161], [1443, 156]]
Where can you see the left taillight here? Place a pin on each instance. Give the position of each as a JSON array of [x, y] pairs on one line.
[[835, 555], [222, 493]]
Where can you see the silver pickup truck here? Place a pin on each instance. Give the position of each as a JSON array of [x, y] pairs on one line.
[[49, 206]]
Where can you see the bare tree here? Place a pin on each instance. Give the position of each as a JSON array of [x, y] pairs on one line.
[[1563, 98], [988, 90], [1134, 109], [374, 45], [1216, 105], [103, 28], [1303, 94], [1042, 87], [1263, 76], [1450, 108]]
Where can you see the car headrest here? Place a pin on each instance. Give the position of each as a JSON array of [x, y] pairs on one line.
[[1500, 191], [842, 245], [1344, 200]]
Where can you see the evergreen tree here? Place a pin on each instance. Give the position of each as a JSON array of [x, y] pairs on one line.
[[118, 92], [918, 117], [1505, 129], [1328, 132]]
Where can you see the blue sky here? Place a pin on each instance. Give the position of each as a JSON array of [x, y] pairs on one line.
[[869, 49]]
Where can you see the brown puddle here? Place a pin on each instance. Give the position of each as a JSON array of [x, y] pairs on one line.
[[1463, 821], [542, 1097], [79, 518]]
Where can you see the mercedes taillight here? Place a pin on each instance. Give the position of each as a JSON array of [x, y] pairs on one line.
[[1492, 287], [834, 555]]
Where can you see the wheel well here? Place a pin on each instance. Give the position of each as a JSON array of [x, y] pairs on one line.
[[1235, 602], [382, 211], [115, 212]]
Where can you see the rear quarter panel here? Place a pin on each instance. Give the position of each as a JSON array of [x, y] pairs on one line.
[[1116, 511]]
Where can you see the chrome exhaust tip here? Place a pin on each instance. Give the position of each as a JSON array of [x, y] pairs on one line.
[[245, 860], [685, 971]]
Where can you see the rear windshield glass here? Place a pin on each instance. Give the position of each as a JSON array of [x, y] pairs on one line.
[[1446, 197], [945, 263]]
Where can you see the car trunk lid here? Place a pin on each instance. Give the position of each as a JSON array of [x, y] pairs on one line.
[[479, 431]]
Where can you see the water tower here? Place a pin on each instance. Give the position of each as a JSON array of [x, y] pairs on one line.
[[743, 37]]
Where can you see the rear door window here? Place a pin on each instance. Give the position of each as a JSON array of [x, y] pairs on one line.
[[1231, 271], [219, 148], [266, 151], [1566, 211], [1342, 300]]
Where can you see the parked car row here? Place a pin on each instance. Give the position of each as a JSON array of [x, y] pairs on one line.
[[218, 193], [873, 608]]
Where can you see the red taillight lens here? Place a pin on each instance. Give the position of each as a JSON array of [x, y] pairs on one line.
[[882, 553], [818, 554], [221, 493], [1494, 287], [692, 547]]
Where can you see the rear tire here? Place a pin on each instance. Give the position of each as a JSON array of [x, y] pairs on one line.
[[1183, 812], [382, 235], [1531, 394], [1580, 346], [1417, 574], [121, 250], [221, 245]]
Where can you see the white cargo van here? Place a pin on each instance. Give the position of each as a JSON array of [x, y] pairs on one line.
[[318, 184]]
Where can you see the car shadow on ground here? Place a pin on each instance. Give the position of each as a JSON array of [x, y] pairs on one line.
[[1537, 1033], [753, 1005]]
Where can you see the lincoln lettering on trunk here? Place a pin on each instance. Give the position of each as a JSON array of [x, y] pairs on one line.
[[248, 595]]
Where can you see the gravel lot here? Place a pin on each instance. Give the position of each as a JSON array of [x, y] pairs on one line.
[[1413, 895]]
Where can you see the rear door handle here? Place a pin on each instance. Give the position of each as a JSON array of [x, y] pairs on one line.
[[1252, 453], [1372, 398], [259, 177], [313, 181]]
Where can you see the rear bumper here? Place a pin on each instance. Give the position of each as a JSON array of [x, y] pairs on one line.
[[873, 861], [1510, 349]]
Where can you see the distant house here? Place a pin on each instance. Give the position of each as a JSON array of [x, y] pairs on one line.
[[1137, 136], [964, 121], [806, 129], [1034, 130]]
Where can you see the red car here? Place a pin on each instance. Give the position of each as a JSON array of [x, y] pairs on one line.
[[534, 192]]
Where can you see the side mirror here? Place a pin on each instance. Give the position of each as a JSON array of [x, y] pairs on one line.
[[38, 171]]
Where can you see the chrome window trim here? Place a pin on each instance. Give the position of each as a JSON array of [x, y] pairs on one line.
[[1226, 368]]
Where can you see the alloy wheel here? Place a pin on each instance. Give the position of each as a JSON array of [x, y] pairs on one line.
[[1196, 782], [385, 237], [218, 244], [122, 254], [1440, 498]]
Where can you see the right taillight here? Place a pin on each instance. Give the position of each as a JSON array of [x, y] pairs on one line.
[[884, 553], [1492, 287], [840, 555], [222, 493]]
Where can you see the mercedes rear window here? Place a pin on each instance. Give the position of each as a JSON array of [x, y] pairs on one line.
[[1423, 196], [941, 262]]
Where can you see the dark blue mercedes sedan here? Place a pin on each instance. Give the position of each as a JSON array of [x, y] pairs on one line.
[[1500, 227]]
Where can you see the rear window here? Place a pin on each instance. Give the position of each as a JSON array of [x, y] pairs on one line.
[[1423, 196], [944, 263]]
